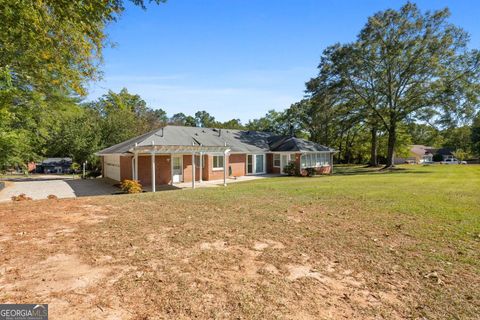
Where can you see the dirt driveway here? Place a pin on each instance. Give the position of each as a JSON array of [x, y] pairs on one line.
[[42, 187]]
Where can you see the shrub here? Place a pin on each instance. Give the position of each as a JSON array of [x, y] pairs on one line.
[[21, 197], [52, 197], [131, 186], [311, 172], [75, 167], [290, 168], [304, 173]]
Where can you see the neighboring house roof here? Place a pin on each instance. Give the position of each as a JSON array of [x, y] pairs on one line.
[[287, 143], [237, 140], [421, 150], [445, 151]]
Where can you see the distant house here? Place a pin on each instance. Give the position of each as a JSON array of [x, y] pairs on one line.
[[424, 154], [446, 153], [54, 165], [165, 156]]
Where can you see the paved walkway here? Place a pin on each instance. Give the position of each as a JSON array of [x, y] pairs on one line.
[[42, 187], [209, 184]]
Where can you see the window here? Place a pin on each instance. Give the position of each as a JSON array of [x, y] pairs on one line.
[[276, 160], [217, 162], [311, 160]]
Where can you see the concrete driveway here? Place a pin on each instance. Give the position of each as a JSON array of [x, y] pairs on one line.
[[42, 187]]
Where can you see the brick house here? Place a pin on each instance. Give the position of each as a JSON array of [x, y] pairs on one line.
[[165, 156]]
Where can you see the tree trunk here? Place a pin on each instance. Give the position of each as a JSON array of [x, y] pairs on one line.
[[392, 139], [374, 148]]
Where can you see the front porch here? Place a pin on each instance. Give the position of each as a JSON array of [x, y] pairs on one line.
[[178, 165], [210, 183]]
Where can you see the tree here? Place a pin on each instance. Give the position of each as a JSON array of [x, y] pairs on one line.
[[273, 121], [232, 124], [50, 45], [414, 65], [458, 138], [461, 154], [335, 105], [475, 135], [204, 119], [49, 50], [180, 119]]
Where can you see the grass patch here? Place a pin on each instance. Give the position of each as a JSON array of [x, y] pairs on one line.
[[361, 243]]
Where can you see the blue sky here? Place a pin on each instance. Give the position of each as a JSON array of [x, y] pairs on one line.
[[237, 58]]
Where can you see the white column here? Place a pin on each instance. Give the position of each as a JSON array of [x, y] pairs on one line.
[[133, 168], [225, 169], [201, 166], [331, 162], [171, 169], [153, 172], [193, 170], [136, 165]]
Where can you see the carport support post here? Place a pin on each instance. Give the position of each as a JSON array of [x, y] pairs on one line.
[[136, 166], [331, 162], [153, 172], [193, 170], [201, 167], [225, 169]]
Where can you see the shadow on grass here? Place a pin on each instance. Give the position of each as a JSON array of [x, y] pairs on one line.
[[353, 171]]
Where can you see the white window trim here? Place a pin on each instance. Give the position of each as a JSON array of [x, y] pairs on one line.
[[279, 160], [254, 164], [213, 166]]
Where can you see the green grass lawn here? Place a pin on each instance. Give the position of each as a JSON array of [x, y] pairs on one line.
[[361, 243]]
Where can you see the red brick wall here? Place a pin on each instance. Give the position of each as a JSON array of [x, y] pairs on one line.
[[270, 167], [162, 170], [125, 167], [211, 174], [187, 169], [238, 163]]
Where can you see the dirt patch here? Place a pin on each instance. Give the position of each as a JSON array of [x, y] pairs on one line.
[[217, 245], [262, 245], [57, 274], [174, 255]]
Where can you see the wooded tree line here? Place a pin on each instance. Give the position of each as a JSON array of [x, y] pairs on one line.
[[409, 77], [49, 51]]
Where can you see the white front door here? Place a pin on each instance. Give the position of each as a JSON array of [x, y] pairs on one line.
[[177, 168]]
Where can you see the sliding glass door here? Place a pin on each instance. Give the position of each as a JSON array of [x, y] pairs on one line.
[[255, 164], [259, 163], [250, 164]]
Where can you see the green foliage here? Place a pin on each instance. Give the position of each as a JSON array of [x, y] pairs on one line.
[[311, 172], [16, 149], [75, 167], [461, 154], [475, 135], [49, 50], [131, 186], [290, 169], [404, 65]]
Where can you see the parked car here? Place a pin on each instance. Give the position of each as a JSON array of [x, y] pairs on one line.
[[453, 161]]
